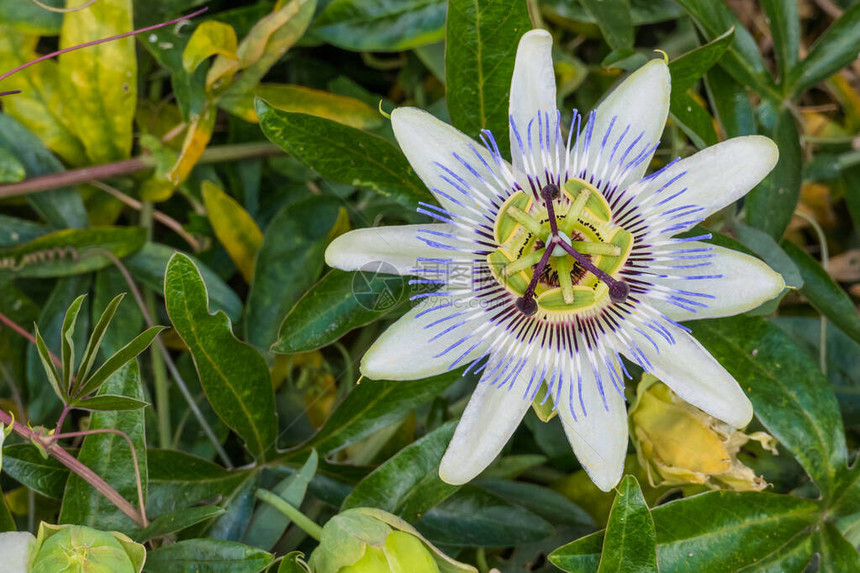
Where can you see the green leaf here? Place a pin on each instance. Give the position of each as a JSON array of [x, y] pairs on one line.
[[61, 207], [175, 521], [372, 405], [178, 479], [110, 457], [541, 501], [267, 525], [408, 484], [338, 303], [149, 264], [42, 404], [288, 263], [791, 397], [70, 252], [109, 403], [837, 554], [793, 557], [770, 252], [290, 563], [824, 293], [630, 542], [482, 38], [11, 170], [381, 26], [100, 82], [641, 11], [785, 30], [233, 374], [50, 369], [67, 345], [26, 464], [686, 70], [835, 49], [344, 154], [119, 359], [31, 17], [770, 206], [694, 119], [731, 103], [614, 20], [207, 556], [95, 340], [743, 59], [708, 533], [473, 517]]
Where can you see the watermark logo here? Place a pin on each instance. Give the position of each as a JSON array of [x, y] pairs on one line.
[[378, 287]]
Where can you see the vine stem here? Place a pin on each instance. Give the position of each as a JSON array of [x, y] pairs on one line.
[[57, 452], [215, 154], [305, 523], [14, 326], [165, 220], [128, 441], [825, 260]]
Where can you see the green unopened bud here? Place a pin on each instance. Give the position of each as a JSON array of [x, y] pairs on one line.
[[79, 549], [16, 550], [680, 444], [365, 540]]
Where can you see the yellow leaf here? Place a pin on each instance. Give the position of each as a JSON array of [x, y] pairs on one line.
[[100, 83], [234, 227], [209, 39], [343, 109], [40, 106]]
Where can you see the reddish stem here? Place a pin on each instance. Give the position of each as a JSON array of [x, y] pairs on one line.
[[56, 451], [14, 326], [97, 42]]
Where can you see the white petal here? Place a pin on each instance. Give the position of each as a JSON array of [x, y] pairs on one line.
[[640, 103], [16, 547], [397, 246], [713, 178], [532, 85], [405, 350], [598, 438], [740, 283], [428, 142], [688, 369], [492, 415]]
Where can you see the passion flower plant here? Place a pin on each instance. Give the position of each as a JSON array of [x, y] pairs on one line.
[[551, 268]]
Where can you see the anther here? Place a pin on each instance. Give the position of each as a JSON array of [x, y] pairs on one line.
[[618, 290], [527, 306], [549, 192], [526, 303]]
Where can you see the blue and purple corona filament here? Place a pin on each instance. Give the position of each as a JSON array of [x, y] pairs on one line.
[[573, 335]]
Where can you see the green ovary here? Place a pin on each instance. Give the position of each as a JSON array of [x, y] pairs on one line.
[[582, 215]]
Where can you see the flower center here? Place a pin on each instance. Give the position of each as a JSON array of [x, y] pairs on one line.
[[558, 253]]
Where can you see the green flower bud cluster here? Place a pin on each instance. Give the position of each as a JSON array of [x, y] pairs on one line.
[[365, 540], [71, 549]]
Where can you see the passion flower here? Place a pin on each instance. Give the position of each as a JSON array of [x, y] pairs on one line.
[[573, 260]]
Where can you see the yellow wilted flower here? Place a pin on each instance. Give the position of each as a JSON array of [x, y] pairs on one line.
[[679, 444]]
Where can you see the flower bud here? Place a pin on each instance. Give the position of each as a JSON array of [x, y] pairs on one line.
[[79, 549], [16, 549], [679, 444], [365, 540]]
